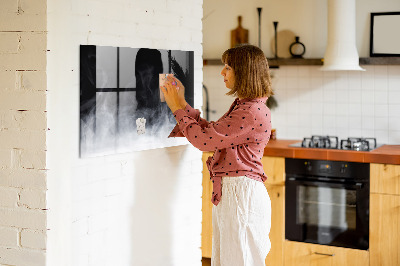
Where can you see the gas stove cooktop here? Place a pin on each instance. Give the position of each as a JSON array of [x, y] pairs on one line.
[[332, 142]]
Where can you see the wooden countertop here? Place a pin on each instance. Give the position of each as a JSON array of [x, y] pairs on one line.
[[389, 154]]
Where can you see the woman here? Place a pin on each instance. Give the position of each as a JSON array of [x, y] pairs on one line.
[[242, 211]]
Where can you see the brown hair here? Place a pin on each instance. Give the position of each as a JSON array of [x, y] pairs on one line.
[[250, 66]]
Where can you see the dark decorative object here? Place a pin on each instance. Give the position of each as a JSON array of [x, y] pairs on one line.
[[276, 38], [259, 9], [384, 41], [297, 49], [272, 103]]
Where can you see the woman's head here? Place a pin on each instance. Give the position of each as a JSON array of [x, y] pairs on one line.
[[251, 72]]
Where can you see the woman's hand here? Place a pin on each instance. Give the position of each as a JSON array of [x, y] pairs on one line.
[[172, 91], [181, 91]]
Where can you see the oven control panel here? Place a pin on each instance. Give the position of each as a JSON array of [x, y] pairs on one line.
[[338, 169]]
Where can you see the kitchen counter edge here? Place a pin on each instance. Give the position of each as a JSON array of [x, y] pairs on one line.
[[385, 154]]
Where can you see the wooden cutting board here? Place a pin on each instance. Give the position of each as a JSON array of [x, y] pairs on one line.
[[239, 35]]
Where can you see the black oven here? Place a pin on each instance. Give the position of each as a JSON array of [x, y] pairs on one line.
[[327, 202]]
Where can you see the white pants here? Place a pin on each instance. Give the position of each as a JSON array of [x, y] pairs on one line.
[[241, 223]]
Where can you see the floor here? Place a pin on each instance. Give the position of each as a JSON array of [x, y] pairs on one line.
[[206, 261]]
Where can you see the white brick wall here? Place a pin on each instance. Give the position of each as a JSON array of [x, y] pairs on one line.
[[23, 132], [140, 208], [114, 210]]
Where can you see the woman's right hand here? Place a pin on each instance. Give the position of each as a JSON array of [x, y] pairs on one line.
[[181, 90]]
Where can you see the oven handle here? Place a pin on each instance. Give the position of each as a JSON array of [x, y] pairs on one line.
[[357, 185]]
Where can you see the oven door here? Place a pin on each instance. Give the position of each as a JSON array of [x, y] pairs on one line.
[[327, 213]]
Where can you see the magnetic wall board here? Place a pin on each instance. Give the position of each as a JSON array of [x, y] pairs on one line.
[[120, 104]]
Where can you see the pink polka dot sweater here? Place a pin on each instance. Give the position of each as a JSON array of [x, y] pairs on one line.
[[238, 139]]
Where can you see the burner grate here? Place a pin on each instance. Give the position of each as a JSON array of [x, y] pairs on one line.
[[327, 142], [358, 144], [332, 142]]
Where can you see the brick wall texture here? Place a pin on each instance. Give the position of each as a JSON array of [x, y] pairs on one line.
[[23, 132]]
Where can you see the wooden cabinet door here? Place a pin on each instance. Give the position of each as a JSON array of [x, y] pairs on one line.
[[206, 225], [277, 233], [385, 178], [384, 237], [274, 168], [304, 254]]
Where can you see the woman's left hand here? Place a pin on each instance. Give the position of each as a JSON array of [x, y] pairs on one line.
[[170, 90]]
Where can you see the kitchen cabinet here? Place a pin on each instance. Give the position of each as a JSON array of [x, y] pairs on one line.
[[274, 168], [385, 178], [305, 254], [206, 225], [385, 214]]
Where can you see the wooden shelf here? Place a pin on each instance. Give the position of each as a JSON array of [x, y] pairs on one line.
[[380, 61], [273, 63]]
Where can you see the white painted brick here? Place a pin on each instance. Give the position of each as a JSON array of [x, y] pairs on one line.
[[196, 10], [16, 158], [98, 222], [17, 256], [9, 42], [34, 120], [31, 55], [7, 79], [31, 80], [176, 7], [23, 218], [80, 176], [5, 158], [23, 178], [148, 6], [8, 237], [36, 7], [114, 186], [168, 19], [23, 22], [23, 100], [33, 199], [153, 32], [8, 197], [80, 227], [8, 6], [190, 22], [97, 172], [33, 239], [15, 139], [31, 159]]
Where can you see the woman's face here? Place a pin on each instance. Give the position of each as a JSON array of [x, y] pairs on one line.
[[229, 76]]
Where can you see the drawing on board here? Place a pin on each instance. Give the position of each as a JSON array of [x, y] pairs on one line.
[[121, 107]]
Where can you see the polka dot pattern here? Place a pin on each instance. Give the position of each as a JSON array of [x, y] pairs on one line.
[[238, 139]]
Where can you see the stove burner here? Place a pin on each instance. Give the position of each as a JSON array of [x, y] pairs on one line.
[[358, 144], [332, 142], [328, 142]]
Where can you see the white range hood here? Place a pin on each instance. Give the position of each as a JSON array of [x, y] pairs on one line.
[[341, 51]]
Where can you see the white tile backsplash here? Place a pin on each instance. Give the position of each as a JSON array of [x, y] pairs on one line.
[[394, 110], [343, 103], [394, 97]]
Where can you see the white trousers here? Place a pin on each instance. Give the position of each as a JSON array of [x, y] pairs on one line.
[[241, 223]]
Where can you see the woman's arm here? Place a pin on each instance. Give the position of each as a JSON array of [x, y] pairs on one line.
[[239, 127], [174, 93]]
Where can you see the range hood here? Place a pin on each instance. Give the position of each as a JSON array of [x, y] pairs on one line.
[[341, 51]]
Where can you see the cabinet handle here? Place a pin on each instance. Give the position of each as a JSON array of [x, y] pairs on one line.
[[324, 254]]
